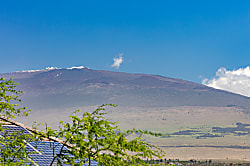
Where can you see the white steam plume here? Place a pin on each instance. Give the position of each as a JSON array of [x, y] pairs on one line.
[[117, 61], [237, 81]]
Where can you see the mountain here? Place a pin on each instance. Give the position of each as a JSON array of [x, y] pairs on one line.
[[73, 87], [194, 116]]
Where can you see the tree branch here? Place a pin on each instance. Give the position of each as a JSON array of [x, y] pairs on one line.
[[36, 132]]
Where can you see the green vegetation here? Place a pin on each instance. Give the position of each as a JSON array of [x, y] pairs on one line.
[[241, 129], [9, 99], [89, 137], [12, 145], [94, 138]]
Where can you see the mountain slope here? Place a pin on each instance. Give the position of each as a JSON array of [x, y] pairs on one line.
[[60, 88], [149, 102]]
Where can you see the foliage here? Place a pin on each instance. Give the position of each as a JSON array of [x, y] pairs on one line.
[[13, 148], [9, 99], [95, 138], [12, 145], [89, 137]]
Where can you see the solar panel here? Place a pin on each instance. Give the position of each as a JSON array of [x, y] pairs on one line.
[[93, 163], [14, 129], [41, 160], [49, 148], [40, 152], [45, 150]]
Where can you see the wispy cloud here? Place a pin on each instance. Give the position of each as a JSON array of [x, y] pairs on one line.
[[76, 67], [237, 81], [117, 61], [46, 69]]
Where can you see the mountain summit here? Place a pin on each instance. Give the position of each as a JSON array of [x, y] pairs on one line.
[[80, 86]]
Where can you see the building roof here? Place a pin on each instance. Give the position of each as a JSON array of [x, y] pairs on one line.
[[41, 152]]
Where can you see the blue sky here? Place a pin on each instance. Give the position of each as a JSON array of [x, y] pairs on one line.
[[190, 40]]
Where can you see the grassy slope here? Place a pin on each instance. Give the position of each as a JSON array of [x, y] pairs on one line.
[[170, 120]]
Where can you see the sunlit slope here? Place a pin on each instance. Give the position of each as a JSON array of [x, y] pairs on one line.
[[64, 88]]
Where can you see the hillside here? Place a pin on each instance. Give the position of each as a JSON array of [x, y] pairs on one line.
[[203, 121], [60, 88]]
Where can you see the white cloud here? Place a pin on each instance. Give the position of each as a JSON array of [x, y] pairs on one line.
[[237, 81], [76, 67], [117, 61], [46, 69], [52, 68]]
